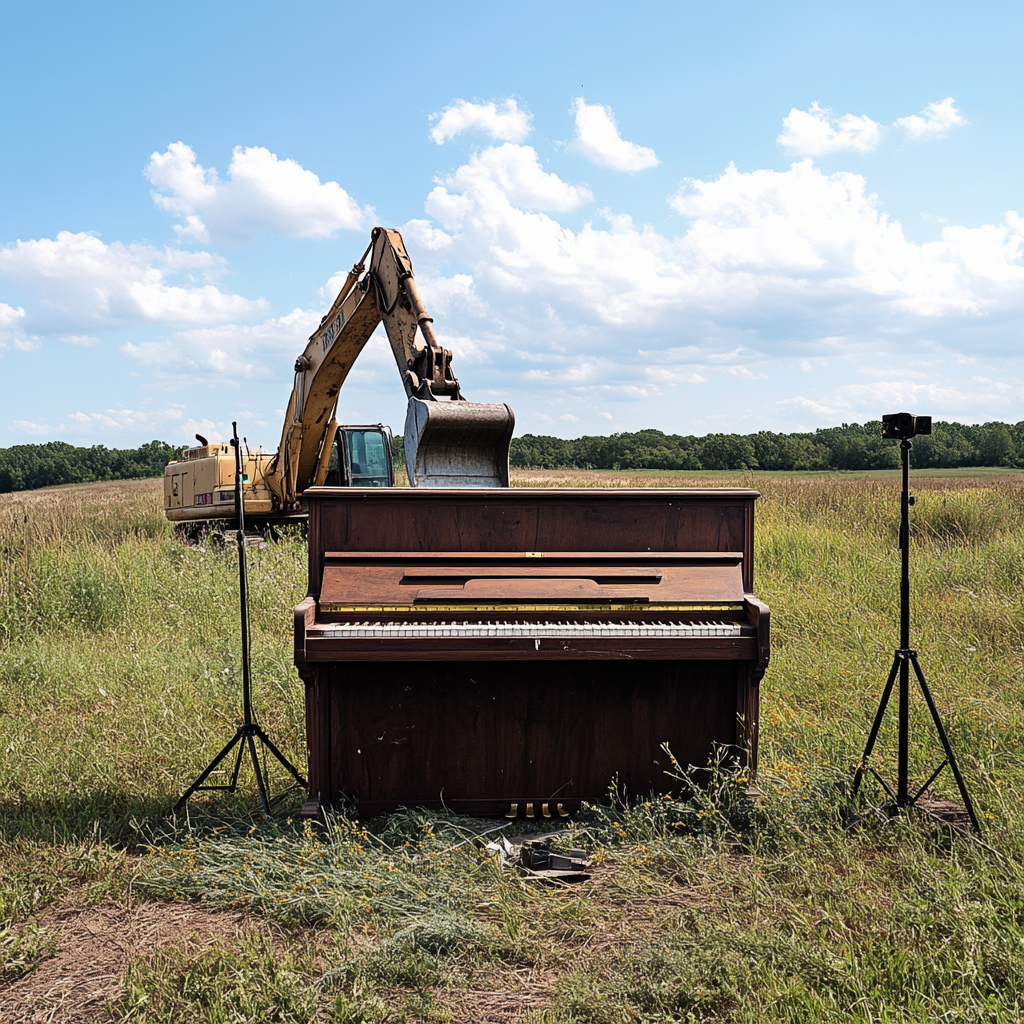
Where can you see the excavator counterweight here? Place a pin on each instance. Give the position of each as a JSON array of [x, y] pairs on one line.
[[449, 442]]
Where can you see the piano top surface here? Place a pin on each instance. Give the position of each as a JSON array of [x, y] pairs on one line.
[[477, 494]]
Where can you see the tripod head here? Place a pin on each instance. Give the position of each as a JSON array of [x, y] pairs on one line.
[[904, 425]]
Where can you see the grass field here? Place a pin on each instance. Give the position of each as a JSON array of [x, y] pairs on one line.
[[119, 677]]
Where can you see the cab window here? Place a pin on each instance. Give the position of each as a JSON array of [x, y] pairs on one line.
[[367, 458]]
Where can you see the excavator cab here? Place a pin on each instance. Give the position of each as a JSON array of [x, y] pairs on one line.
[[361, 457]]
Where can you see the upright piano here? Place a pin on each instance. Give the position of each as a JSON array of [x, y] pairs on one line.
[[512, 652]]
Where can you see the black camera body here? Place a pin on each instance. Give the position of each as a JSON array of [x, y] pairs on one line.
[[903, 425]]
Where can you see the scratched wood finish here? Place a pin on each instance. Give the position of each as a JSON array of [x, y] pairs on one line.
[[482, 736]]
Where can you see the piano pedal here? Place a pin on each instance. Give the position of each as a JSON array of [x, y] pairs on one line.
[[562, 813], [546, 810], [513, 811], [529, 811]]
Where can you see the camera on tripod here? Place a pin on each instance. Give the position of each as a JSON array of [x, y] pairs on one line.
[[903, 425]]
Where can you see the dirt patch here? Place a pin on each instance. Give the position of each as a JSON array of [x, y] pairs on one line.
[[504, 1006], [95, 947]]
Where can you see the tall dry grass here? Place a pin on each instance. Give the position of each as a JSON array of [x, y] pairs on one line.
[[119, 680]]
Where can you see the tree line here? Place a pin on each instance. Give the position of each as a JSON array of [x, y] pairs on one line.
[[25, 466], [850, 446]]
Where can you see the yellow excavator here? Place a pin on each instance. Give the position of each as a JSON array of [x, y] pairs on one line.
[[449, 442]]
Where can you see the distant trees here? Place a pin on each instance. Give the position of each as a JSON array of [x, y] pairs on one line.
[[26, 466], [850, 446]]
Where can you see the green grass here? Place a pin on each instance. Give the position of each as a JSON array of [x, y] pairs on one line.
[[119, 680]]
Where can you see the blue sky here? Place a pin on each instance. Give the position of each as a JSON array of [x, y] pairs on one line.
[[687, 216]]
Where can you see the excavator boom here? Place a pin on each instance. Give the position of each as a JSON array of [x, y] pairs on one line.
[[449, 442]]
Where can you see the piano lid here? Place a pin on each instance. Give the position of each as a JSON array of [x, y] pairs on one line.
[[354, 581]]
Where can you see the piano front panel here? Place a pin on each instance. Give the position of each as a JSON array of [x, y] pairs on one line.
[[534, 520], [479, 737]]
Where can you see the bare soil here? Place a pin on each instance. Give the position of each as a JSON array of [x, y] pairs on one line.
[[95, 947]]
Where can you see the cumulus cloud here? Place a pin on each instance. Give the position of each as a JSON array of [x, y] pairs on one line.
[[262, 192], [953, 396], [934, 122], [12, 330], [597, 138], [82, 340], [79, 282], [31, 427], [120, 418], [503, 121], [762, 243], [117, 419], [230, 352], [766, 271], [505, 176], [815, 132], [770, 264]]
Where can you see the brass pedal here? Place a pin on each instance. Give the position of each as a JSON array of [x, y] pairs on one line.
[[513, 811]]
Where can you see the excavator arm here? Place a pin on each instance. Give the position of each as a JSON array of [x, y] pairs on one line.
[[451, 443]]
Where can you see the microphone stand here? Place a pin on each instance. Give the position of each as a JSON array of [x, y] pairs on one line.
[[249, 731], [903, 660]]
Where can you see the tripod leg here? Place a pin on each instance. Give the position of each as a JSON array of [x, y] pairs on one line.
[[946, 746], [886, 694], [285, 763], [210, 768], [238, 765], [260, 782]]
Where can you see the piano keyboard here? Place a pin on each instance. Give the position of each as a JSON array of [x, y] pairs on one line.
[[527, 630]]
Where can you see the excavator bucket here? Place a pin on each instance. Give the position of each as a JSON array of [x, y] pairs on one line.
[[458, 444]]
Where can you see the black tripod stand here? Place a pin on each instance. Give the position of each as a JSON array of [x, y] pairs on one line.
[[904, 658], [249, 731]]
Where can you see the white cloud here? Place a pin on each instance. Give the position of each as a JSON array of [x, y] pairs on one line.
[[77, 282], [597, 138], [229, 352], [262, 192], [12, 330], [673, 375], [809, 404], [934, 122], [821, 239], [815, 132], [954, 397], [503, 121], [793, 264], [797, 248], [120, 418], [509, 176], [31, 427], [83, 340]]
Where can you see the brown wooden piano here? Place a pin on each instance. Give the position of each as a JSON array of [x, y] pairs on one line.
[[510, 652]]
